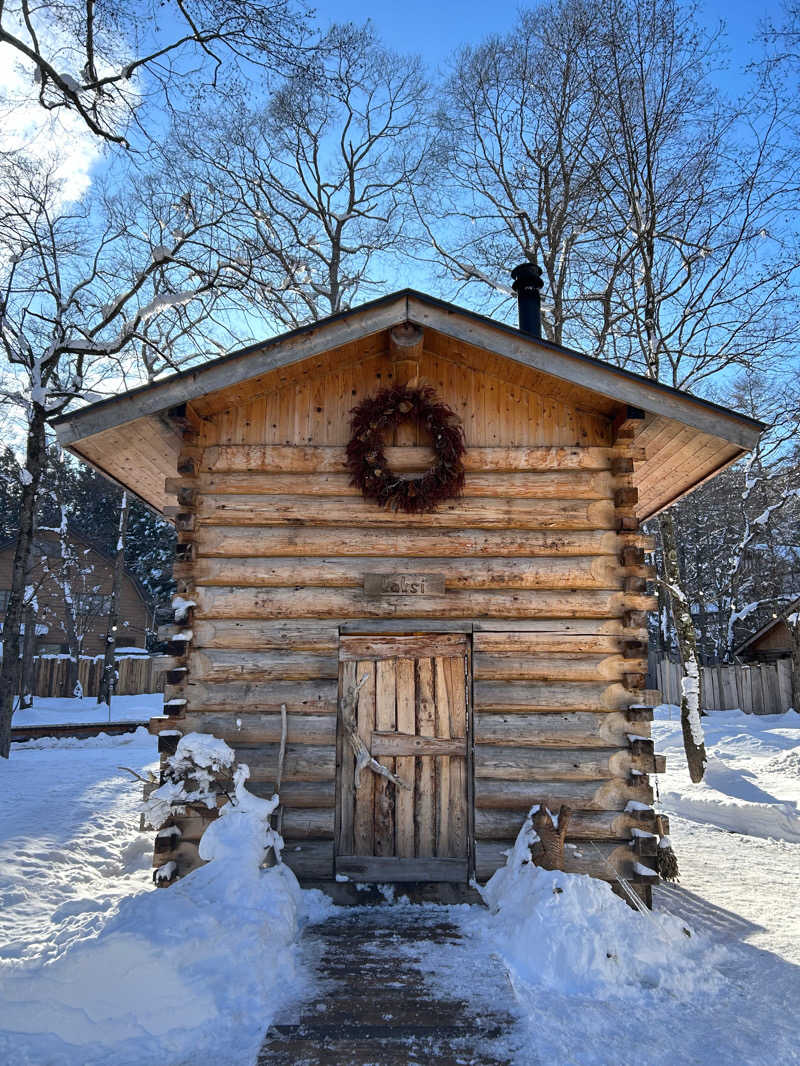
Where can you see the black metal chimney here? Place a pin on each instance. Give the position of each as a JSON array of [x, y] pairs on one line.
[[527, 283]]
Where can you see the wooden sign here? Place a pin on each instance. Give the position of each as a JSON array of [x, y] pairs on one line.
[[404, 584]]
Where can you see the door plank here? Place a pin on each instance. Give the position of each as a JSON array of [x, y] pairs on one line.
[[402, 647], [385, 719], [363, 829], [407, 744], [442, 762], [404, 766], [379, 870], [424, 784], [459, 814], [347, 765]]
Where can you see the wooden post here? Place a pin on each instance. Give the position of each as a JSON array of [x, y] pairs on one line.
[[405, 348]]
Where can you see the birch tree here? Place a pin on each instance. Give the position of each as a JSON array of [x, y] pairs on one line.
[[513, 172], [108, 677], [82, 286]]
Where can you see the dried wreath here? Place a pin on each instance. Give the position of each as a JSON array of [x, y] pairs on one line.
[[377, 416]]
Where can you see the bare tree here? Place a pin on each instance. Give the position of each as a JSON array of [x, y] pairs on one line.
[[513, 171], [321, 175], [82, 287], [107, 61], [684, 268], [696, 290]]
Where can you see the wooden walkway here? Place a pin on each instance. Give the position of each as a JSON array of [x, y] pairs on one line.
[[382, 997], [20, 734]]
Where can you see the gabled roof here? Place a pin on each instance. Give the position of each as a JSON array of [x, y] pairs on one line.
[[722, 435], [792, 609]]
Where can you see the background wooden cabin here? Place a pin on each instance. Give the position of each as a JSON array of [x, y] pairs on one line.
[[92, 582], [541, 594]]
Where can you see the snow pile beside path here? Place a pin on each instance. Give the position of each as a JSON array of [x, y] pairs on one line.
[[102, 740], [196, 970], [570, 935], [751, 784]]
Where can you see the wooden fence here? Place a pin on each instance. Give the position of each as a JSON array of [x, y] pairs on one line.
[[137, 674], [758, 688]]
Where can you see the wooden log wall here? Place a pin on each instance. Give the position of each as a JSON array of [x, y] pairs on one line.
[[542, 562]]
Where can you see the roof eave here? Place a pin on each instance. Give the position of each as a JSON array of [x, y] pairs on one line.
[[460, 324]]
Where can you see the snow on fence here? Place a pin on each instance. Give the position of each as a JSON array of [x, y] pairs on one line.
[[756, 688], [137, 674]]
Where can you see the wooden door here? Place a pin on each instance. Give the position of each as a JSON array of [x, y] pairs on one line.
[[411, 714]]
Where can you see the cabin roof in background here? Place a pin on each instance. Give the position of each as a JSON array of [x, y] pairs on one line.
[[772, 623], [584, 380]]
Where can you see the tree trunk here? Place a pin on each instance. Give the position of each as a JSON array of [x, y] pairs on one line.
[[108, 678], [9, 673], [794, 633], [73, 643], [26, 684], [67, 578], [548, 851], [692, 681]]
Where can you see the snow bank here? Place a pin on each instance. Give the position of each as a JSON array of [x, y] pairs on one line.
[[48, 710], [751, 785], [173, 975], [102, 740], [569, 934], [780, 821]]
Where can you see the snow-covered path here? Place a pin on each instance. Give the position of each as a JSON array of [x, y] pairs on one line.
[[69, 841], [408, 985], [390, 989]]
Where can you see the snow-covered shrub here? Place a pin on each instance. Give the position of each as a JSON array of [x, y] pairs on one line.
[[200, 771], [204, 773]]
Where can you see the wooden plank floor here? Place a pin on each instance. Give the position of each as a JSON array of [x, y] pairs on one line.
[[373, 1005]]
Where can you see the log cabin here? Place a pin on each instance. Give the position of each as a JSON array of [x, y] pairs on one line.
[[488, 654]]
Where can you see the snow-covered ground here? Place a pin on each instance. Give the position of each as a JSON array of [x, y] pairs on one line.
[[47, 711], [737, 833], [96, 966]]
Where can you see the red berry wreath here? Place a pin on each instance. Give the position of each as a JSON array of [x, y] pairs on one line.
[[378, 415]]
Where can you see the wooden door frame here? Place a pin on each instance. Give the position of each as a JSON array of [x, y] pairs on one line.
[[366, 630]]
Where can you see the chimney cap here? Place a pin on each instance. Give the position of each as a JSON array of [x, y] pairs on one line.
[[527, 278]]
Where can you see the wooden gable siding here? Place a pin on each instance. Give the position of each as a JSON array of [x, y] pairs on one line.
[[316, 410], [276, 546]]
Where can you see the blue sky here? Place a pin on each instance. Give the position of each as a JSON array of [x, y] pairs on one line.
[[435, 29]]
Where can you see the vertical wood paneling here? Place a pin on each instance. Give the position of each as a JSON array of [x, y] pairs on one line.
[[317, 409], [346, 764], [424, 786], [404, 768], [459, 809], [385, 721], [442, 765], [363, 819]]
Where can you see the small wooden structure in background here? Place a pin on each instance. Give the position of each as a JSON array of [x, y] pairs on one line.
[[771, 642], [92, 581], [498, 644]]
